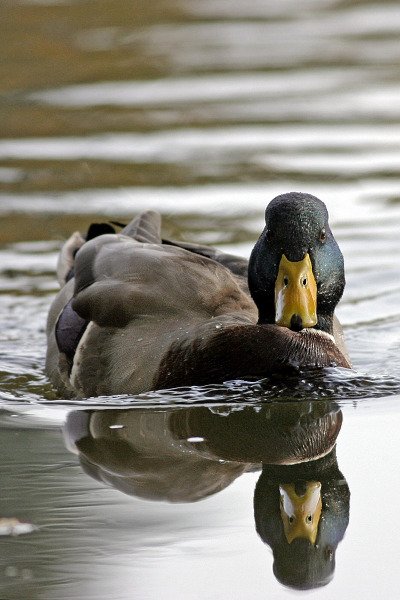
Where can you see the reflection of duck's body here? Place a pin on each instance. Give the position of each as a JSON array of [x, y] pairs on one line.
[[135, 452], [274, 433], [140, 314], [184, 454]]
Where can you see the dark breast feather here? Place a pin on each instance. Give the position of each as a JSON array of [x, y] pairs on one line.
[[244, 350]]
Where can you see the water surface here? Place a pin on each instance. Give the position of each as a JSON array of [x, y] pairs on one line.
[[204, 111]]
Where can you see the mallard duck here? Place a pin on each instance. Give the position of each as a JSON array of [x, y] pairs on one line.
[[138, 313]]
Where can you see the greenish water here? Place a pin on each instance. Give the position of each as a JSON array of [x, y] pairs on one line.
[[204, 111]]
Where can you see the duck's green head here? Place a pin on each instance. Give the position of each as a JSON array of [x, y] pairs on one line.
[[296, 270]]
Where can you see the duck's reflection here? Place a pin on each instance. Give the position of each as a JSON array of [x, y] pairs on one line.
[[301, 501], [136, 452]]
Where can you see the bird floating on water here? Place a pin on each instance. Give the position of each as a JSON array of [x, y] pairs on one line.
[[137, 313]]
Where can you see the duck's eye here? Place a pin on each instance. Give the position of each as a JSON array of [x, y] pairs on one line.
[[322, 235], [269, 235], [309, 518], [291, 519]]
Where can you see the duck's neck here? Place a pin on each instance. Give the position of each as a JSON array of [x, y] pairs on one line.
[[324, 323]]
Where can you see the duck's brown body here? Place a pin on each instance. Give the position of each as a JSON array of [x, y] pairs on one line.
[[139, 300]]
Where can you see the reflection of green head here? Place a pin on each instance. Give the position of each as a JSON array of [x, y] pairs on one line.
[[304, 555]]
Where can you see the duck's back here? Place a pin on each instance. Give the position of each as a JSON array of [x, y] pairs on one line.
[[136, 299]]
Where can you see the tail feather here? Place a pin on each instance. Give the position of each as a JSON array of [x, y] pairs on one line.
[[145, 228], [66, 257]]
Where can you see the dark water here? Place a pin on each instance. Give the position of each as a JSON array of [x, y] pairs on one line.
[[204, 111]]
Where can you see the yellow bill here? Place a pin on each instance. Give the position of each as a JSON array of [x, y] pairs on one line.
[[295, 294], [301, 514]]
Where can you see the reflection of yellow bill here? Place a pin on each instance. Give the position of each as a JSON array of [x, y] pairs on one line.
[[295, 292], [301, 514]]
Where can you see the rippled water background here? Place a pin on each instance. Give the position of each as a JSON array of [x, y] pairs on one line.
[[204, 110]]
